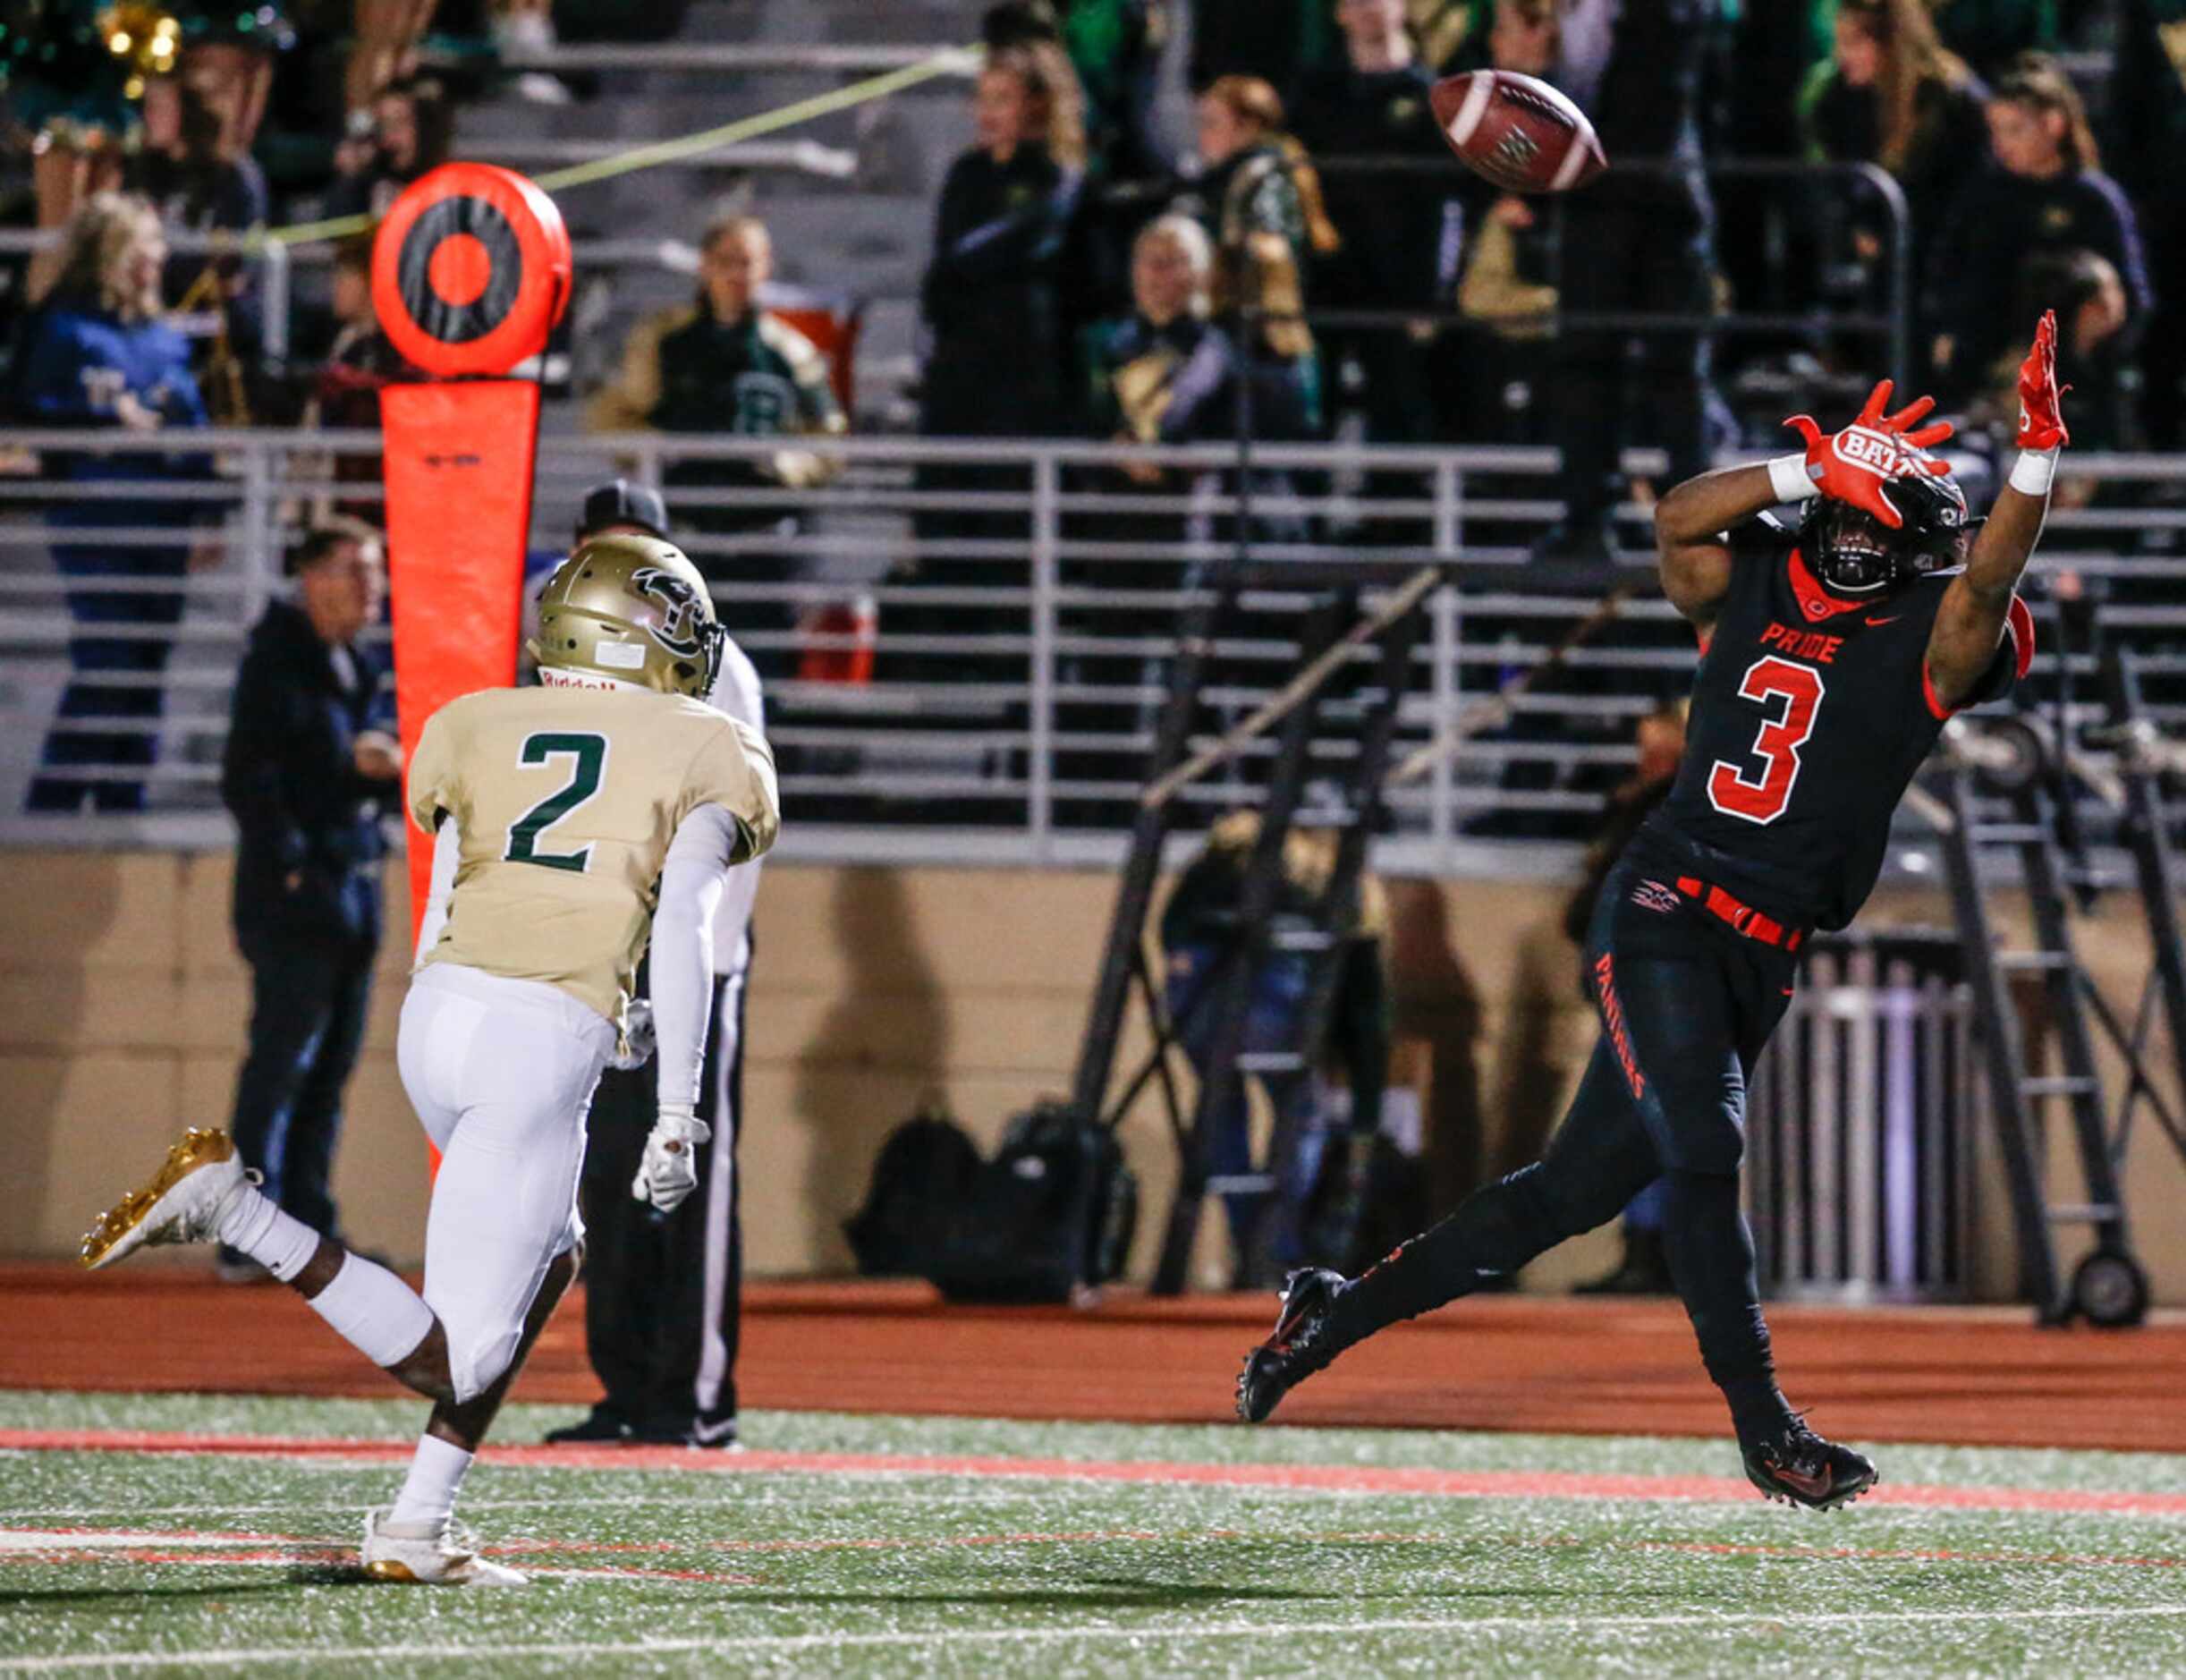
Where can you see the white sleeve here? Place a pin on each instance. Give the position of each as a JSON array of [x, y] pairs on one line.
[[732, 920], [736, 688], [447, 852], [691, 879]]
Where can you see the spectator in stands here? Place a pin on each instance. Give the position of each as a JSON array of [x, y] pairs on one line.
[[1115, 48], [1398, 229], [1201, 935], [1167, 373], [1642, 240], [2147, 115], [1893, 95], [990, 293], [994, 303], [197, 188], [228, 59], [2022, 236], [722, 364], [1508, 287], [1254, 179], [1762, 56], [406, 134], [311, 767], [98, 354], [345, 395]]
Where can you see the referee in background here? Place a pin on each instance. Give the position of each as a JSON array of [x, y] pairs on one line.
[[661, 1291]]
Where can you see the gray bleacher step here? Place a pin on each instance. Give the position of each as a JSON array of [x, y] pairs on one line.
[[721, 21]]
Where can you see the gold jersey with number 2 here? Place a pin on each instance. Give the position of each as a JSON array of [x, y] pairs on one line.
[[567, 800]]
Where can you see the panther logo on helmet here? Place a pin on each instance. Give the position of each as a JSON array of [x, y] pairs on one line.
[[681, 613]]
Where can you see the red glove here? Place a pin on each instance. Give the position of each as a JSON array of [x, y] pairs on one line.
[[1854, 464], [2041, 416]]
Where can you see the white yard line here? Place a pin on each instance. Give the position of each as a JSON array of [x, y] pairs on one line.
[[760, 1644]]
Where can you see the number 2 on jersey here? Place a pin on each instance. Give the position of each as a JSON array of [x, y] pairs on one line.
[[589, 752], [1762, 800]]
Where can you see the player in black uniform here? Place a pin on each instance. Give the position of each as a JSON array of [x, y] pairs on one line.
[[1830, 664]]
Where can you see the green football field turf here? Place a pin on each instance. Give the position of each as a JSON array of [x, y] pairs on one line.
[[1115, 1549]]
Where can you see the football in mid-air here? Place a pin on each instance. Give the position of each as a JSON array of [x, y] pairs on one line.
[[1517, 131]]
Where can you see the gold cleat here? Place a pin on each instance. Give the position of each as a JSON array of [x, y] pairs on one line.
[[444, 1556], [182, 1203]]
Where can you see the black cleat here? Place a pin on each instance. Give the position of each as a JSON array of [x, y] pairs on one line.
[[1302, 1342], [1798, 1467]]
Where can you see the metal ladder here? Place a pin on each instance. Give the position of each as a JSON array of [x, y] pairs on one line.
[[2142, 761], [2032, 760], [1366, 714], [2109, 1286]]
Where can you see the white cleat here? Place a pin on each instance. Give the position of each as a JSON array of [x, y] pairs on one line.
[[182, 1203], [442, 1556]]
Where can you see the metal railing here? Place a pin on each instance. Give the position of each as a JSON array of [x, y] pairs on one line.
[[1025, 595]]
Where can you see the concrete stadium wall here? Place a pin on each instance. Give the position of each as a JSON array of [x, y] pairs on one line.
[[122, 1008]]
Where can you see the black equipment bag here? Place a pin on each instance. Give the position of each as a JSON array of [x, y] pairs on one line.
[[924, 1173], [1052, 1212]]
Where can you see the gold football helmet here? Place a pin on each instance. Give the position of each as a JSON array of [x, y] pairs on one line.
[[634, 610]]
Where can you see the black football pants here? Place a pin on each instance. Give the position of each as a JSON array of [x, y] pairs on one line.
[[662, 1290], [1686, 1006]]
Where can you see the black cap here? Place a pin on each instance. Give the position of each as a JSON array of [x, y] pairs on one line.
[[623, 503]]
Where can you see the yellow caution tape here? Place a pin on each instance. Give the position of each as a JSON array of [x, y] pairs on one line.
[[956, 61]]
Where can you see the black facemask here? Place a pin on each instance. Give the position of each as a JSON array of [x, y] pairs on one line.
[[1851, 551], [1855, 554]]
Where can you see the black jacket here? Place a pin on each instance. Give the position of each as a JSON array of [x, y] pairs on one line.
[[1648, 104], [1978, 271], [1398, 240], [290, 778], [992, 296]]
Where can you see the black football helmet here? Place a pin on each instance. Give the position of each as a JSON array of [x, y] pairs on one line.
[[1853, 552]]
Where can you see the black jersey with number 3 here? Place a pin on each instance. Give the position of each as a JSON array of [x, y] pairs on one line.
[[1811, 714]]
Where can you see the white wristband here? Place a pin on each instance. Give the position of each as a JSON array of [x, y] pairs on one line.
[[1787, 476], [2033, 471]]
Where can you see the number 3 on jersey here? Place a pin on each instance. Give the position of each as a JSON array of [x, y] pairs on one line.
[[1762, 799], [589, 753]]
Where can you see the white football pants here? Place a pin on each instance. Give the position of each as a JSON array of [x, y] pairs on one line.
[[501, 1073]]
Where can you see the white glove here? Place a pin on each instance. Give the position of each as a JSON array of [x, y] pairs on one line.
[[635, 1049], [670, 1170]]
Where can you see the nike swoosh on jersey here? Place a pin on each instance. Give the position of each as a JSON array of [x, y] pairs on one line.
[[1891, 620]]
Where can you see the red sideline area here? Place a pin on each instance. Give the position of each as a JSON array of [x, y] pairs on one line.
[[1460, 1484], [1976, 1376]]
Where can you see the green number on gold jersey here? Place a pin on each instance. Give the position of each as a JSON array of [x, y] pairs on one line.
[[590, 754]]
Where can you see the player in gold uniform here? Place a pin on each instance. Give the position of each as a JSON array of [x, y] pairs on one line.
[[571, 823]]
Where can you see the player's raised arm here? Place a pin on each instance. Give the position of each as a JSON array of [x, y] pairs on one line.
[[1970, 623], [1690, 523]]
